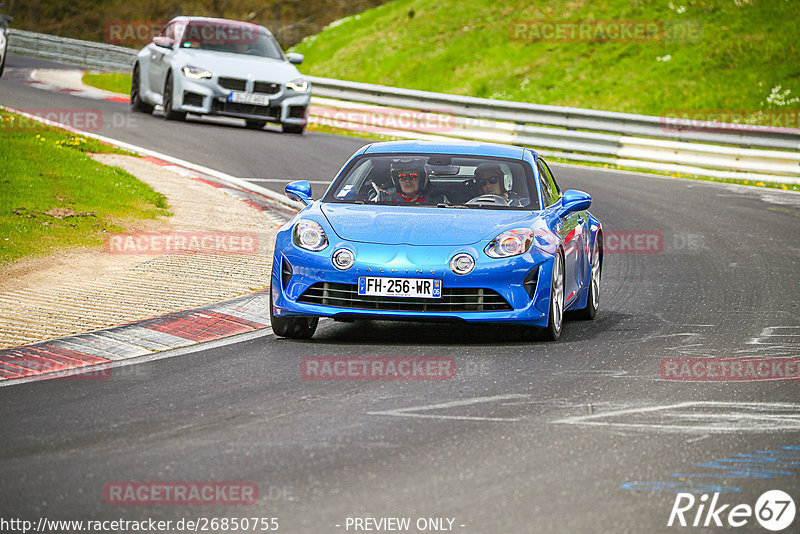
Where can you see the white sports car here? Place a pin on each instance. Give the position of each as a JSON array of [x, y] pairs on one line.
[[207, 66]]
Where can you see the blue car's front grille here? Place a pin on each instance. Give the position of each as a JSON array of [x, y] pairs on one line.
[[456, 299]]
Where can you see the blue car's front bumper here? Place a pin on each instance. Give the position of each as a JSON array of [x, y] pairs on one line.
[[522, 281]]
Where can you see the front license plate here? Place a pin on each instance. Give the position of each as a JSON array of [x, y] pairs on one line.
[[400, 287], [248, 98]]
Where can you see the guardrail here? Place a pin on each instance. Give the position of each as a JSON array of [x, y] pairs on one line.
[[642, 141], [87, 54]]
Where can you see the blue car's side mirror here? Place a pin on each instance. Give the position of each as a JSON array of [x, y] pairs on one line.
[[299, 190], [574, 200]]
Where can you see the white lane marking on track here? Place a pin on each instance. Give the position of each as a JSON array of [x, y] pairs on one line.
[[716, 417], [410, 412]]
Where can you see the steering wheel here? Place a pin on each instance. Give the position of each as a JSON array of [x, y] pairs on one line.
[[490, 200]]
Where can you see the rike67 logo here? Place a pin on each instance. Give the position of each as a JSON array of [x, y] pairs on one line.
[[774, 510]]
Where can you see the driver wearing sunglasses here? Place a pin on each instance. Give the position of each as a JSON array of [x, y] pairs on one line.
[[411, 184], [491, 181]]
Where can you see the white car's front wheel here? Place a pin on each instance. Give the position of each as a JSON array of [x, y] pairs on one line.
[[169, 113]]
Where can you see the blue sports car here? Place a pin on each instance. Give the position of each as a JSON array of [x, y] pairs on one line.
[[427, 231]]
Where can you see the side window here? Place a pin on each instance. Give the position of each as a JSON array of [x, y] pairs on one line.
[[177, 31], [547, 191], [552, 179], [555, 191], [169, 31]]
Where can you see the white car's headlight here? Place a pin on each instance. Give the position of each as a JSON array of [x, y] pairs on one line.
[[510, 243], [309, 235], [300, 85], [196, 73]]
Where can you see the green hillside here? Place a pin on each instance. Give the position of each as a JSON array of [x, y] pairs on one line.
[[709, 55]]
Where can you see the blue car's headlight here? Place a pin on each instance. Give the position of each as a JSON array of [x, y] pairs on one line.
[[196, 73], [309, 235], [510, 243], [300, 85]]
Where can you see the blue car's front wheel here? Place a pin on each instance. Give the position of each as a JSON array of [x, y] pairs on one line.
[[292, 327], [552, 332]]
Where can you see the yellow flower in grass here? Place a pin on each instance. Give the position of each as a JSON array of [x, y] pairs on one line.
[[760, 184], [784, 187]]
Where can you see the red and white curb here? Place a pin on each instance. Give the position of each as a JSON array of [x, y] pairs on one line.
[[96, 353]]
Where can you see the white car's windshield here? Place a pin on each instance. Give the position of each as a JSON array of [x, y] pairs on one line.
[[437, 180], [232, 38]]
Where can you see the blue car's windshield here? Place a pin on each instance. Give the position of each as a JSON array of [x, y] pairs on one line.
[[437, 180], [232, 38]]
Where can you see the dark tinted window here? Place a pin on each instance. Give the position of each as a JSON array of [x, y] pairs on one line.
[[232, 38]]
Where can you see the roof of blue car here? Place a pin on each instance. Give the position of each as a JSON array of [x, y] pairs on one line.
[[449, 147]]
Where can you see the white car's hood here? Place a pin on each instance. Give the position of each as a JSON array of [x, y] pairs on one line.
[[239, 65]]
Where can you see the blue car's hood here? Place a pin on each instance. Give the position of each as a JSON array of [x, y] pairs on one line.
[[393, 225]]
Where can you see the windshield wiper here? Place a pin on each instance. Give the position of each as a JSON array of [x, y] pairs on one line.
[[444, 205]]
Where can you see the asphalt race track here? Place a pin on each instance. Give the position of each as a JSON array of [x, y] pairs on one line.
[[582, 435]]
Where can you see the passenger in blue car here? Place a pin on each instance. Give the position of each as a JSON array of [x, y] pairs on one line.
[[411, 184], [491, 181]]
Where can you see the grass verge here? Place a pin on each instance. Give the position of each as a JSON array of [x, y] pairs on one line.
[[53, 196], [703, 55], [109, 81]]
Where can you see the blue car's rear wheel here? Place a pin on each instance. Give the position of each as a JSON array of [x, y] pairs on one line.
[[593, 300], [292, 327]]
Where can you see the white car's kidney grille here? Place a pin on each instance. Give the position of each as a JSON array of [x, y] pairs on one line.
[[269, 88], [456, 299], [234, 84]]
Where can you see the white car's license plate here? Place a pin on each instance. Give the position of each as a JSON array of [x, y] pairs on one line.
[[399, 287], [248, 98]]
